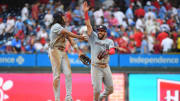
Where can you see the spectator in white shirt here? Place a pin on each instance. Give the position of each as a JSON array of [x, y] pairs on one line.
[[25, 12], [151, 40], [140, 24], [119, 15], [167, 44], [48, 18], [97, 16], [42, 34], [10, 23], [150, 13], [2, 28]]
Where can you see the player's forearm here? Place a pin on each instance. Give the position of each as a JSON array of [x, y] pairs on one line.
[[64, 31], [74, 45], [88, 23]]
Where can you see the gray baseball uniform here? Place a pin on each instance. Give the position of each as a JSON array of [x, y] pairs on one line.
[[98, 74], [59, 61]]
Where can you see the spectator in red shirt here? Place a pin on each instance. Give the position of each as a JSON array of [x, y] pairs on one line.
[[35, 10], [171, 22], [138, 35], [123, 48], [20, 34], [162, 36], [139, 12], [168, 5], [132, 46], [120, 41], [157, 47], [156, 4], [69, 16]]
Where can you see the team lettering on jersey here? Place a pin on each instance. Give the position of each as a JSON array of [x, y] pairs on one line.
[[106, 46]]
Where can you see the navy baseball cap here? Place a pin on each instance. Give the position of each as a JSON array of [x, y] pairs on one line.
[[101, 27], [58, 14]]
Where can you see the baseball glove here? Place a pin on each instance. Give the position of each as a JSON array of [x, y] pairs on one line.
[[85, 59], [102, 54]]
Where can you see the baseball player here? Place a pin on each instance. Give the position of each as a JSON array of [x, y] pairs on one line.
[[58, 57], [101, 48]]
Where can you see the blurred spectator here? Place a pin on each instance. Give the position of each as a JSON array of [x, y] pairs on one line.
[[25, 12], [144, 45], [149, 6], [59, 6], [97, 16], [2, 28], [38, 46], [35, 10], [16, 44], [164, 27], [20, 35], [77, 17], [139, 12], [129, 12], [30, 49], [151, 41], [132, 46], [150, 14], [10, 23], [68, 16], [178, 42], [138, 36], [156, 4], [157, 49], [140, 24], [162, 11], [167, 5], [9, 47], [119, 15], [162, 36], [19, 25], [113, 21], [48, 19], [167, 44]]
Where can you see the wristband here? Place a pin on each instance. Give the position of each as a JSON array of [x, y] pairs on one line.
[[86, 15], [111, 51]]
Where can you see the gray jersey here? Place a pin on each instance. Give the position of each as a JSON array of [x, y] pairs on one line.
[[97, 46], [56, 38]]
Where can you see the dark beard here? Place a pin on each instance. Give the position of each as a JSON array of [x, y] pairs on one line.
[[100, 38]]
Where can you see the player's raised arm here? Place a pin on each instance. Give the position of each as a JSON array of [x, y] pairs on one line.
[[87, 20]]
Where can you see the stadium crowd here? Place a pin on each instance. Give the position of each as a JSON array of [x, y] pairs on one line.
[[151, 28]]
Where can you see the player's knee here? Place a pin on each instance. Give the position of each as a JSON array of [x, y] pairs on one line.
[[97, 90], [68, 74], [56, 81], [111, 89]]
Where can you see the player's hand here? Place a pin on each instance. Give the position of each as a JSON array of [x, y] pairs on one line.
[[85, 6], [82, 37]]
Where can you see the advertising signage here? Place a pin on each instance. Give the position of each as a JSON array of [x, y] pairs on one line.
[[168, 90], [154, 87], [145, 60], [38, 87]]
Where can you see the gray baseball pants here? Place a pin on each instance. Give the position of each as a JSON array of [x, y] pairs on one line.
[[59, 61], [99, 75]]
